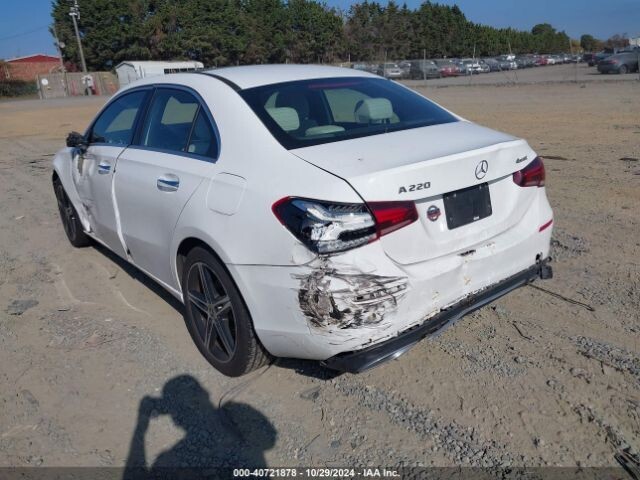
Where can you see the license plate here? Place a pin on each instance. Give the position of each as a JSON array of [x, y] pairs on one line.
[[467, 205]]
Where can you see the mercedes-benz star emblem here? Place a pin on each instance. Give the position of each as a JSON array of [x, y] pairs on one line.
[[482, 169]]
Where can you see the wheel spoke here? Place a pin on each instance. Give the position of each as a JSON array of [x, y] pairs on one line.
[[224, 335], [208, 331], [198, 300], [205, 283]]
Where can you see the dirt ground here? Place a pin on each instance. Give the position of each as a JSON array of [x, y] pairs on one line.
[[534, 379]]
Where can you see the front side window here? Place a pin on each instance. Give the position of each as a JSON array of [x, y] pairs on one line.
[[116, 123], [310, 112]]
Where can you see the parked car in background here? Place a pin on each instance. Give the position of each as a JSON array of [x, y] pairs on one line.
[[625, 62], [363, 67], [600, 56], [484, 67], [424, 69], [462, 67], [589, 58], [311, 240], [405, 66], [506, 64], [472, 65], [447, 68], [493, 64], [390, 70], [527, 61], [541, 61]]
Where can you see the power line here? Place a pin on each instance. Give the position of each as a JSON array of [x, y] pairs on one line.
[[29, 32]]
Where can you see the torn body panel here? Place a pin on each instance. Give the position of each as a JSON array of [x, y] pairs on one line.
[[92, 174], [334, 296]]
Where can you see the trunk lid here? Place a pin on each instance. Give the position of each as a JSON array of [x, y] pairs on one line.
[[422, 165]]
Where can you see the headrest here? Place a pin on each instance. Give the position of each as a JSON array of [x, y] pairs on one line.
[[286, 117], [373, 109], [323, 130], [296, 100]]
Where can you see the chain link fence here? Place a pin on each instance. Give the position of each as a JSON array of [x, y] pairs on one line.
[[56, 85], [501, 70]]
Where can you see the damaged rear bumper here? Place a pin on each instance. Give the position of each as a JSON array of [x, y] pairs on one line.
[[361, 360]]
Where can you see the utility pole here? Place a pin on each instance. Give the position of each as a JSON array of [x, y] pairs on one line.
[[62, 69], [576, 61], [74, 12]]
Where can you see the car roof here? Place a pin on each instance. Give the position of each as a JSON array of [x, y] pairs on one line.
[[258, 75]]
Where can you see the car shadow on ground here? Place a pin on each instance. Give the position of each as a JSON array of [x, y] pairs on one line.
[[233, 435], [141, 277], [307, 368]]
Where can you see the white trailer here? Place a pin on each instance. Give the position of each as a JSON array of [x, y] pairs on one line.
[[130, 71]]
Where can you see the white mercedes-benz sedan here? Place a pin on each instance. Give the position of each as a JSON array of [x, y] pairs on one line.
[[304, 211]]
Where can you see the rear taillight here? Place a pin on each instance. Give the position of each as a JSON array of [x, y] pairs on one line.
[[330, 227], [532, 175], [391, 216]]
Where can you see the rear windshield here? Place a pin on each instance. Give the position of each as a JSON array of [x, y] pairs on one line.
[[311, 112]]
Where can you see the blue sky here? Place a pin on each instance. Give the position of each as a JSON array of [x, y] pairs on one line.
[[25, 21]]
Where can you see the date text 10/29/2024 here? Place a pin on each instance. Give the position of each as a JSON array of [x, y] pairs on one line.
[[315, 472]]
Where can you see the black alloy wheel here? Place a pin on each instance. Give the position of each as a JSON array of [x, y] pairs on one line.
[[69, 217], [216, 316]]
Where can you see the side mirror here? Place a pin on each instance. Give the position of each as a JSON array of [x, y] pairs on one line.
[[77, 140]]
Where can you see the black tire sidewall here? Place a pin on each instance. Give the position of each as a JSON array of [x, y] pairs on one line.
[[80, 239], [245, 335]]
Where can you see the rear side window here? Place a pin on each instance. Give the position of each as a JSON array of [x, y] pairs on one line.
[[203, 140], [169, 120], [116, 123], [177, 122]]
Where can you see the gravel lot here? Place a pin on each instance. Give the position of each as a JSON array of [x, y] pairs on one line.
[[532, 380]]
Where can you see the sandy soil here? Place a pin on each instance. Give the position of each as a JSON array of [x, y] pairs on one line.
[[531, 380]]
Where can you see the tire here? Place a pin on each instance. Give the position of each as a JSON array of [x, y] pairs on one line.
[[623, 69], [217, 318], [69, 217]]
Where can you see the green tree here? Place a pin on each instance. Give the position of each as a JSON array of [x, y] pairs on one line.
[[617, 41], [589, 43], [230, 32], [316, 33]]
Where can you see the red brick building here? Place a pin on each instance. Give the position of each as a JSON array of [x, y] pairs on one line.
[[26, 68]]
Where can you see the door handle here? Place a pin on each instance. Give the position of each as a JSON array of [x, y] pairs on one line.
[[104, 167], [168, 183]]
